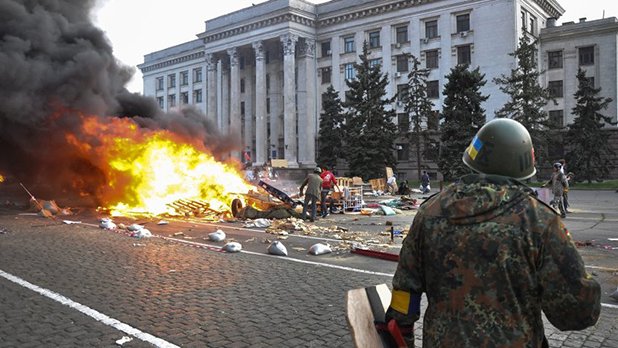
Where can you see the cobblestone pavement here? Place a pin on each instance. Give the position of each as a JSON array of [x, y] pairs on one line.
[[197, 297]]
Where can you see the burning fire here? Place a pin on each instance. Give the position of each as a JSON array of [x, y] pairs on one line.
[[1, 178], [146, 170]]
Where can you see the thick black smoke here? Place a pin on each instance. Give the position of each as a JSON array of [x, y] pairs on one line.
[[55, 64]]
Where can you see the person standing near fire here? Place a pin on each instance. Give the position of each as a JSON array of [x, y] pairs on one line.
[[313, 182], [491, 257], [328, 182]]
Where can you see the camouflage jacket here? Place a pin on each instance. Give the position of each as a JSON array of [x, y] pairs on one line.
[[490, 256]]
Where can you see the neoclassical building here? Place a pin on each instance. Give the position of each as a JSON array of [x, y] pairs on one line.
[[261, 71]]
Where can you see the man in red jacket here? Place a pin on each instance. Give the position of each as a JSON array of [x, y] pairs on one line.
[[328, 181]]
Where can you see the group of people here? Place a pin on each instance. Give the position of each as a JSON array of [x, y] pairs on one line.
[[559, 183], [491, 257], [319, 184]]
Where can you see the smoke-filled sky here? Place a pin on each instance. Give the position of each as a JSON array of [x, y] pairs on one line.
[[138, 27], [57, 67]]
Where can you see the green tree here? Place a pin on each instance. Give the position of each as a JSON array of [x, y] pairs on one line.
[[330, 136], [463, 116], [418, 107], [527, 97], [370, 130], [589, 148]]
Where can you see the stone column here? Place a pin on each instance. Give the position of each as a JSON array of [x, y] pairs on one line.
[[234, 101], [307, 104], [211, 98], [261, 146], [249, 99], [289, 99], [224, 89]]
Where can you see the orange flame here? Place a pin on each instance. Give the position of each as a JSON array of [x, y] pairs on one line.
[[1, 178], [146, 170]]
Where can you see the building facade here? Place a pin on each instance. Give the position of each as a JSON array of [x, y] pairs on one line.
[[261, 71]]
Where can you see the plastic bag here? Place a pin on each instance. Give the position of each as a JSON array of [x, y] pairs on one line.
[[232, 247], [108, 224], [135, 227], [217, 236], [142, 233], [277, 248], [320, 249]]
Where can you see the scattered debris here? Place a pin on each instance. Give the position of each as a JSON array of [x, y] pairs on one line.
[[107, 223], [69, 222], [134, 227], [143, 233], [179, 234], [260, 223], [217, 236], [320, 249], [3, 230], [139, 245], [232, 247], [277, 248], [162, 222], [123, 340]]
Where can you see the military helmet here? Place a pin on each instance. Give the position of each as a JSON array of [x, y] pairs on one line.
[[317, 170], [502, 147]]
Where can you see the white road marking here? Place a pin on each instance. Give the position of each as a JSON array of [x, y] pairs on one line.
[[609, 305], [146, 337], [208, 246]]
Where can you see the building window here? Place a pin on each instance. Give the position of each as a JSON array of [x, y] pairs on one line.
[[586, 55], [463, 55], [241, 62], [171, 80], [463, 22], [431, 29], [325, 46], [242, 85], [532, 27], [171, 100], [349, 71], [197, 75], [184, 98], [267, 82], [433, 89], [554, 59], [590, 80], [160, 102], [197, 96], [523, 20], [374, 39], [433, 120], [348, 44], [326, 72], [403, 153], [402, 92], [242, 108], [401, 34], [268, 107], [556, 118], [184, 78], [402, 63], [375, 62], [267, 57], [555, 89], [431, 59], [159, 83], [403, 122]]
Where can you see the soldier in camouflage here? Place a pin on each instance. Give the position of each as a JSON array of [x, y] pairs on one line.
[[490, 256]]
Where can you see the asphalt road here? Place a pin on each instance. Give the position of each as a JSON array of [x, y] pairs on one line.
[[81, 286]]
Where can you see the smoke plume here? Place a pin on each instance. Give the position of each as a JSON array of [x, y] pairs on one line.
[[55, 65]]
